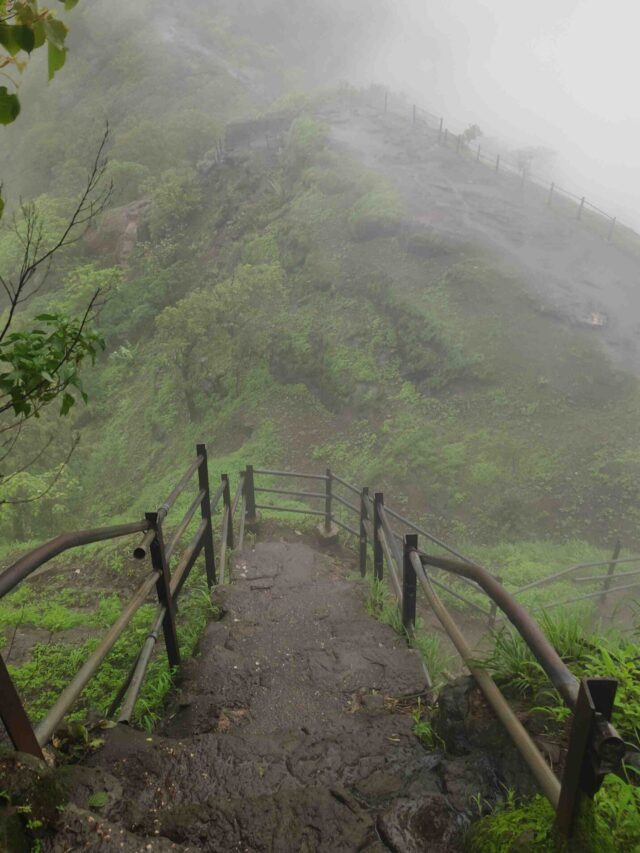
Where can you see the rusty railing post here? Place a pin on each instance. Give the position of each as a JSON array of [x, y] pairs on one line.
[[205, 510], [251, 516], [378, 556], [14, 716], [612, 567], [584, 768], [364, 514], [493, 610], [409, 582], [226, 497], [551, 189], [163, 588], [328, 499]]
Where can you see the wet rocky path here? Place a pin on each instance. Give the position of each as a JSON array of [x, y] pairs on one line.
[[291, 731]]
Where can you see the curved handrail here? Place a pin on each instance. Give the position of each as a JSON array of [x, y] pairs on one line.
[[23, 567]]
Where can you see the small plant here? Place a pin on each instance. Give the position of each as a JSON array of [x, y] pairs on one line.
[[423, 729]]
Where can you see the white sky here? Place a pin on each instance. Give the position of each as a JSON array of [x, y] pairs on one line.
[[561, 73]]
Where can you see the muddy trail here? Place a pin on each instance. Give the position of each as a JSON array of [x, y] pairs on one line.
[[572, 271], [293, 729]]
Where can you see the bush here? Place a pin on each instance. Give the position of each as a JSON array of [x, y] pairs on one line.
[[377, 213]]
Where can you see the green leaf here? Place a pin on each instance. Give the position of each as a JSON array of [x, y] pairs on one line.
[[56, 32], [24, 37], [67, 402], [9, 106], [8, 39], [69, 4], [38, 34], [56, 59], [98, 800]]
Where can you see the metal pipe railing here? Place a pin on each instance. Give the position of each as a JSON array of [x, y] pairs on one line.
[[67, 698], [179, 488], [346, 484], [291, 509], [291, 493], [346, 503], [545, 777], [548, 658], [137, 679], [557, 575], [289, 474], [180, 529], [23, 567]]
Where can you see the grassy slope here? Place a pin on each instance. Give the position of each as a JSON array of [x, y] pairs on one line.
[[430, 375]]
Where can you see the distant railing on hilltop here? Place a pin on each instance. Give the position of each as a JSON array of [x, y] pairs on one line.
[[609, 227]]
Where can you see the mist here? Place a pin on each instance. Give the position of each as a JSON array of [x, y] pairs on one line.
[[558, 75]]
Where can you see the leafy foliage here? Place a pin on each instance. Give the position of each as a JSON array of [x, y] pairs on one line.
[[42, 364]]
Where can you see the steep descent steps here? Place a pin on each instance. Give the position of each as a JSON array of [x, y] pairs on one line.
[[290, 732]]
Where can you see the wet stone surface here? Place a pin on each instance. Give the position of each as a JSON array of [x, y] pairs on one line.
[[285, 733]]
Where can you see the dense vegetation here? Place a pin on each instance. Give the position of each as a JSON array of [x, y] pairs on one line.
[[276, 304]]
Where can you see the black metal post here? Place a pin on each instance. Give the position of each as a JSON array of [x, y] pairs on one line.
[[612, 568], [581, 207], [205, 509], [378, 556], [584, 772], [14, 716], [364, 514], [226, 497], [163, 588], [250, 513], [327, 502], [409, 581]]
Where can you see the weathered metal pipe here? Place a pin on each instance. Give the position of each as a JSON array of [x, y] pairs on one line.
[[548, 658], [23, 567], [545, 777], [289, 492], [67, 698], [141, 669], [170, 547], [179, 488], [289, 474]]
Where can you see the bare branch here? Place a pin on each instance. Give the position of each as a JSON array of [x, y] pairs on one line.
[[57, 476]]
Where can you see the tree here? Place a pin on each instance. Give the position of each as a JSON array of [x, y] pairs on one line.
[[24, 27], [40, 363]]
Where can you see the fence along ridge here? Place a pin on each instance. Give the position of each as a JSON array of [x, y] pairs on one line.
[[499, 160]]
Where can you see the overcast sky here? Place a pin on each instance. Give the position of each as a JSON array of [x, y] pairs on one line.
[[561, 73]]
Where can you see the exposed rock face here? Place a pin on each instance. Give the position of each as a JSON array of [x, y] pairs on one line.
[[118, 231]]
